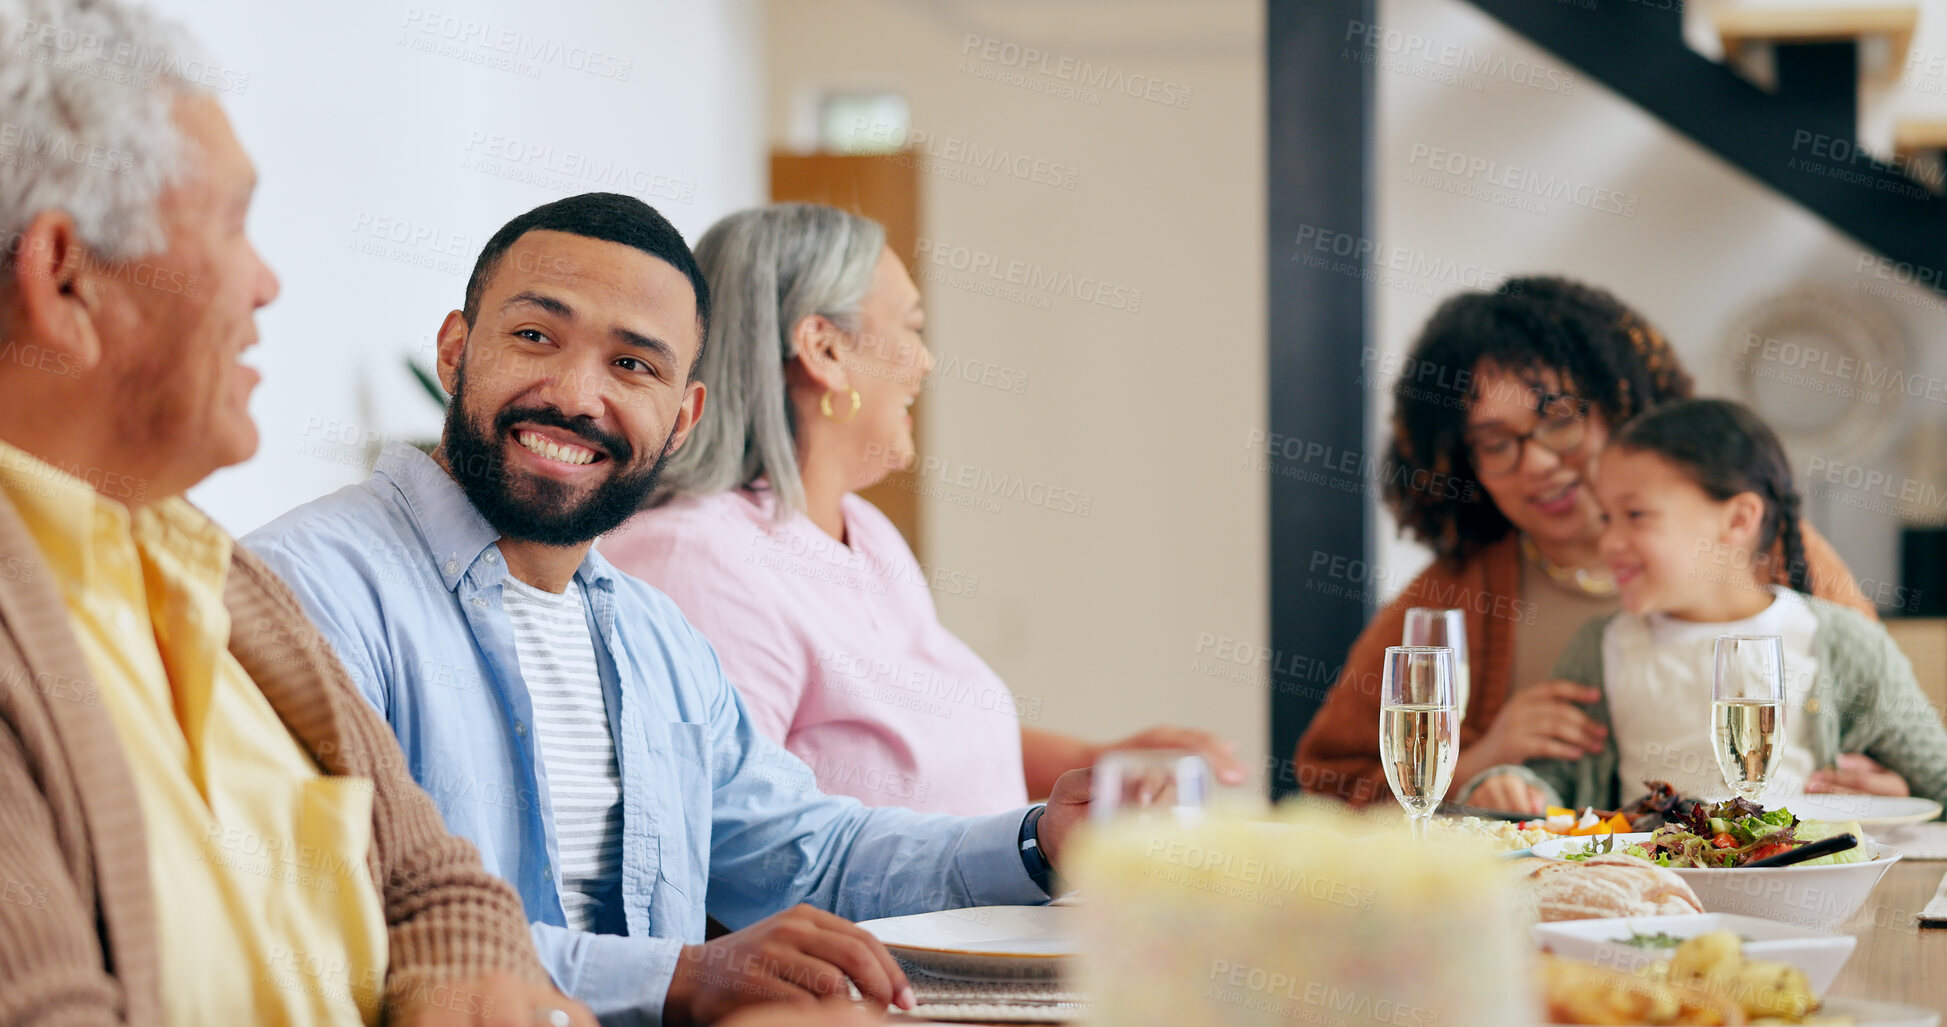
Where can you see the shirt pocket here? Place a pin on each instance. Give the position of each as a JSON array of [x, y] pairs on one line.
[[683, 817]]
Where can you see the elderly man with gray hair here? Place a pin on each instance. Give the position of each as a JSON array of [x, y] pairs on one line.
[[200, 820]]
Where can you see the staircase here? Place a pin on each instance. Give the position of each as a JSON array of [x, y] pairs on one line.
[[1798, 133]]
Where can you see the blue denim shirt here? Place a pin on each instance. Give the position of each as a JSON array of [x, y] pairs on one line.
[[404, 576]]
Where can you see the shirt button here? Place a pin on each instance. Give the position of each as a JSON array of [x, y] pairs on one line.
[[547, 871], [520, 728], [479, 600], [452, 566], [493, 558]]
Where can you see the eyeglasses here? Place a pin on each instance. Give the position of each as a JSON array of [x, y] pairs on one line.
[[1561, 425]]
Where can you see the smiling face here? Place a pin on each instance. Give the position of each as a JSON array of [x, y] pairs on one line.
[[174, 325], [887, 361], [1545, 493], [1672, 548], [572, 386]]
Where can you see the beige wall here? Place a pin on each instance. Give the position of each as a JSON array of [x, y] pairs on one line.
[[1131, 411], [1697, 244], [387, 153]]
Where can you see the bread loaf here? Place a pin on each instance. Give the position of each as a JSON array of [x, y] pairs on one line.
[[1612, 884]]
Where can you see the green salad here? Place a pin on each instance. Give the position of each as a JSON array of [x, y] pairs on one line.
[[1731, 834]]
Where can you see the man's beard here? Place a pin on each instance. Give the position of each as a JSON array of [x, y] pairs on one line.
[[531, 508]]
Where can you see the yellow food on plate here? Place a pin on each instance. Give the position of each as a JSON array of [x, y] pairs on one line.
[[1501, 835], [1560, 820], [1715, 962], [1579, 993], [1707, 981]]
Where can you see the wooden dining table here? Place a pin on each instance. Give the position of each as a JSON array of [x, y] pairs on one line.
[[1898, 960]]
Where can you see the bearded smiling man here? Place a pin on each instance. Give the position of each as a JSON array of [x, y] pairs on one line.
[[564, 716]]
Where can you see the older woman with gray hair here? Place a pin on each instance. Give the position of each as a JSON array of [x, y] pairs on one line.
[[817, 607]]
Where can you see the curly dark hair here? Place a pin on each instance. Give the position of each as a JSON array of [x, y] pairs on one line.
[[1605, 355]]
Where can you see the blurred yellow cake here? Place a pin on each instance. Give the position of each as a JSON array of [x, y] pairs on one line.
[[1300, 921]]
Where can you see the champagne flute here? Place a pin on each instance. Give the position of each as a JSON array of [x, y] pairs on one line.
[[1147, 782], [1429, 626], [1747, 711], [1419, 728]]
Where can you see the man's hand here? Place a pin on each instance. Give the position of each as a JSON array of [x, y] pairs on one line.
[[1857, 774], [1220, 754], [1067, 807], [1509, 792], [496, 1000], [793, 956]]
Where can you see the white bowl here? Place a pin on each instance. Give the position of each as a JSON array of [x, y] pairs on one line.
[[1604, 942], [1821, 898]]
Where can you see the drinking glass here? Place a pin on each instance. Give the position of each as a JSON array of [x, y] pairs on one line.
[[1747, 711], [1428, 626], [1419, 728], [1149, 782]]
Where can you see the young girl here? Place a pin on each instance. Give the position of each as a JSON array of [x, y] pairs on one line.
[[1692, 492]]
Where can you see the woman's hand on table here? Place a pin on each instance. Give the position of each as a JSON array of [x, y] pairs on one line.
[[1509, 792], [1220, 754], [1857, 774], [1545, 721]]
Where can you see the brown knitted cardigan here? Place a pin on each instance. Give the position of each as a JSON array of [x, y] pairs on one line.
[[78, 941]]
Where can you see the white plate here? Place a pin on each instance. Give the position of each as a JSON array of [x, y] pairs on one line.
[[1863, 1012], [1821, 897], [1604, 942], [1005, 942], [1870, 810], [1867, 1012]]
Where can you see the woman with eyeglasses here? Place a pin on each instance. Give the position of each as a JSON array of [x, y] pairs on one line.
[[1531, 377]]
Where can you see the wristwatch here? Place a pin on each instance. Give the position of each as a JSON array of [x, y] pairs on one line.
[[1040, 871]]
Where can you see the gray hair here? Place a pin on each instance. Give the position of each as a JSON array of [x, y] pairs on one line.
[[769, 268], [88, 88]]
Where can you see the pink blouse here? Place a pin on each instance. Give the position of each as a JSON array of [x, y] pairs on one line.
[[836, 649]]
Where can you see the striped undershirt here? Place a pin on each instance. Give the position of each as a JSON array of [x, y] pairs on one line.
[[571, 729]]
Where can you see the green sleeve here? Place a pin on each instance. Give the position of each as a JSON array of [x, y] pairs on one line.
[[1882, 711], [1591, 780]]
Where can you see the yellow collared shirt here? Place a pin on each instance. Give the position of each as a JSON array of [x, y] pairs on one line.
[[266, 910]]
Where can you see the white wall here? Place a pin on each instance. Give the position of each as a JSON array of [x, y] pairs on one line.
[[1705, 241], [392, 139], [1138, 411]]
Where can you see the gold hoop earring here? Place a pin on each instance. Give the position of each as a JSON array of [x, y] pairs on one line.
[[825, 407]]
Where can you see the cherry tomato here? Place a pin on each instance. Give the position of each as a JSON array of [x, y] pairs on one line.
[[1768, 851], [1723, 840]]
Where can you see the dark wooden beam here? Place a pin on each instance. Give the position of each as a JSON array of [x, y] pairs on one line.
[[1319, 112]]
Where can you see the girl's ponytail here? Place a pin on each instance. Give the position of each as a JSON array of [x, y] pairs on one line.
[[1797, 571]]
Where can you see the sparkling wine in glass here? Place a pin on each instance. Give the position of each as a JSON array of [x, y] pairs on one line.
[[1430, 626], [1747, 711], [1419, 728]]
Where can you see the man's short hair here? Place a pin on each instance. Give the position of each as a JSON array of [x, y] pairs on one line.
[[611, 217]]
